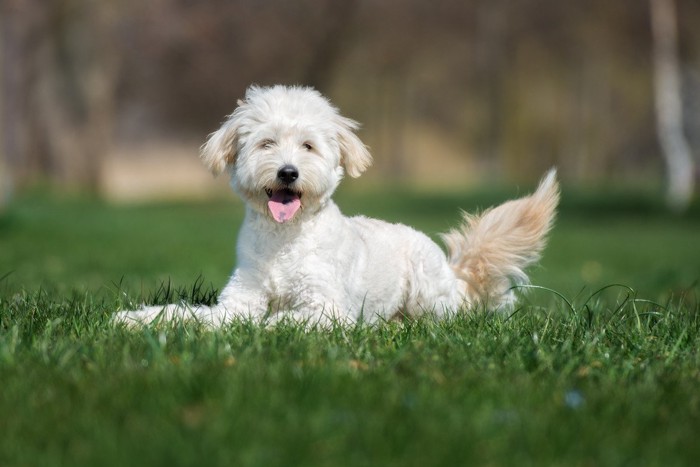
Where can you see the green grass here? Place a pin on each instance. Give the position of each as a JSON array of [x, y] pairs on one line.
[[596, 376]]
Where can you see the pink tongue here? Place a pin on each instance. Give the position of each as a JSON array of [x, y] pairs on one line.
[[283, 205]]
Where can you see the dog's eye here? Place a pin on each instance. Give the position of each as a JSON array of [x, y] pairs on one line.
[[267, 143], [307, 146]]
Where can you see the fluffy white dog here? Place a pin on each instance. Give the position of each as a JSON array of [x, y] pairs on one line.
[[286, 150]]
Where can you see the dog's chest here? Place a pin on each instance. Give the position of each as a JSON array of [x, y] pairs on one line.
[[289, 269]]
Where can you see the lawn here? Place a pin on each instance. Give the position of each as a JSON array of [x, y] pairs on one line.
[[600, 367]]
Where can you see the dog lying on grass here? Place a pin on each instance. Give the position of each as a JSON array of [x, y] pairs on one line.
[[286, 150]]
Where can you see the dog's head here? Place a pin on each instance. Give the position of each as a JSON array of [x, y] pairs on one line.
[[286, 149]]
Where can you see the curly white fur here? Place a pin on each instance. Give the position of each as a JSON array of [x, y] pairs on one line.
[[286, 150]]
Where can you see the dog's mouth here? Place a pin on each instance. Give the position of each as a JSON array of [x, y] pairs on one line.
[[283, 204]]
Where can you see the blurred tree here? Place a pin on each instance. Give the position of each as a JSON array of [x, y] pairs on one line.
[[58, 93], [329, 48], [669, 109], [509, 87], [189, 62]]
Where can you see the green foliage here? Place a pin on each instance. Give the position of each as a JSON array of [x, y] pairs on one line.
[[579, 374]]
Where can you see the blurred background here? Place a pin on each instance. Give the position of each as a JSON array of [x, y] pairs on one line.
[[116, 97]]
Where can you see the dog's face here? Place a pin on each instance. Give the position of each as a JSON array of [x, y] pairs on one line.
[[286, 149]]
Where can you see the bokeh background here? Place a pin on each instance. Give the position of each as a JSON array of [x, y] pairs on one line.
[[116, 97]]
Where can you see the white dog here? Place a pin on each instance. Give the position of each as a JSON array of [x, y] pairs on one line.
[[286, 150]]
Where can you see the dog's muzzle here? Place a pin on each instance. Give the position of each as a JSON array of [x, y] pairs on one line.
[[284, 202]]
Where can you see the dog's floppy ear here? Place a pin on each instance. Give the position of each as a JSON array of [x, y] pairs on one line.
[[354, 156], [220, 149]]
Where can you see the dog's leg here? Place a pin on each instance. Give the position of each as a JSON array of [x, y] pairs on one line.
[[235, 302], [149, 314], [238, 300], [215, 316]]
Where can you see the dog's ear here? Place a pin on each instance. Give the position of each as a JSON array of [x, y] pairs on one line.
[[354, 156], [220, 149]]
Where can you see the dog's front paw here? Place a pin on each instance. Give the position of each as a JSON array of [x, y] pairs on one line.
[[208, 316], [143, 316]]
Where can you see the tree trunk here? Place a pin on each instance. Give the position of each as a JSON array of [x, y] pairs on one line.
[[57, 97], [669, 108]]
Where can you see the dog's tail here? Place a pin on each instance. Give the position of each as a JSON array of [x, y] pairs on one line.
[[490, 251]]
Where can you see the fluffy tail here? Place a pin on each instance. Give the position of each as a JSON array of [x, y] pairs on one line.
[[489, 252]]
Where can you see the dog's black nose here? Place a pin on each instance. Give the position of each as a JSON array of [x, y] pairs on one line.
[[288, 174]]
